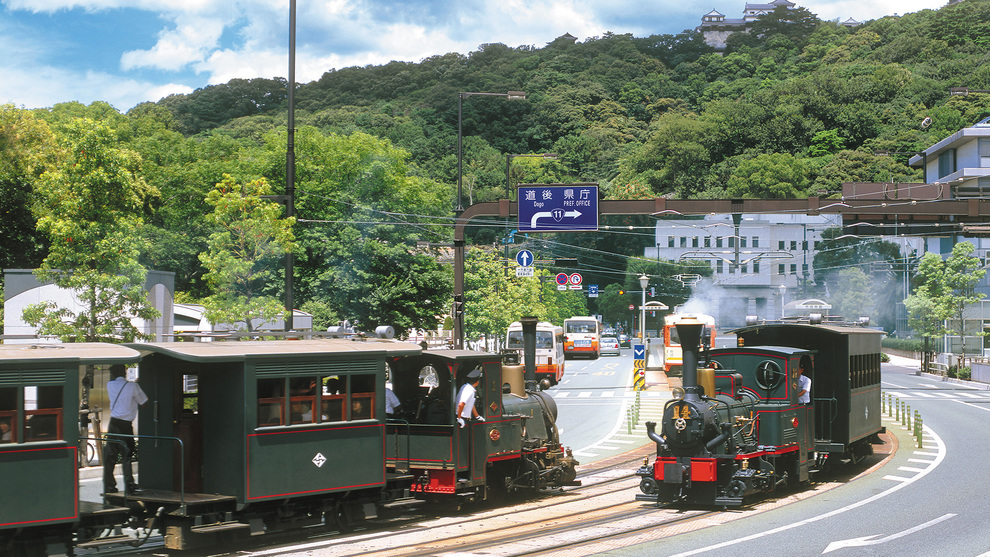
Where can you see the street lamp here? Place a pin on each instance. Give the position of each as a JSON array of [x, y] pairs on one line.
[[459, 243], [643, 282], [783, 290], [511, 95], [508, 159]]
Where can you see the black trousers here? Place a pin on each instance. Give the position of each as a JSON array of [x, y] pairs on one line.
[[120, 441]]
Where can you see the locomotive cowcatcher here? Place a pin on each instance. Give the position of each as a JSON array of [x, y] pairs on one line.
[[738, 429]]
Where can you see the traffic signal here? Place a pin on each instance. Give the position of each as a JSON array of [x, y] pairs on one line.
[[653, 291], [458, 305], [621, 292]]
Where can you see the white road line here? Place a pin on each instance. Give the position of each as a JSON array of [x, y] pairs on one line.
[[910, 469], [920, 460], [902, 483]]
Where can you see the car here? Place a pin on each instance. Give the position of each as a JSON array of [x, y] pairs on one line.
[[624, 340], [610, 345]]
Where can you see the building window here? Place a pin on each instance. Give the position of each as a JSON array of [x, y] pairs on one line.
[[780, 245], [719, 266], [708, 241], [793, 268], [683, 241], [985, 152], [946, 163], [694, 242], [780, 268], [756, 267], [742, 241], [756, 241], [670, 241], [793, 245], [804, 245]]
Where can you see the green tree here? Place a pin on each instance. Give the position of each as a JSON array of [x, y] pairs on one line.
[[851, 294], [944, 289], [27, 149], [250, 239], [90, 208], [769, 176]]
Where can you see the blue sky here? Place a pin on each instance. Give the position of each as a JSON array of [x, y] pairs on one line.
[[129, 51]]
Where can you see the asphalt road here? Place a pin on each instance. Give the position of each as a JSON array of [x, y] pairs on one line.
[[929, 501]]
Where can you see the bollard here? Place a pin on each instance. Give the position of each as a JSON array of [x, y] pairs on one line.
[[897, 409], [918, 427], [629, 421], [907, 416], [903, 412], [883, 402]]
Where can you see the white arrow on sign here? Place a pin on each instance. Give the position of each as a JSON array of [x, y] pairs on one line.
[[556, 214], [868, 540]]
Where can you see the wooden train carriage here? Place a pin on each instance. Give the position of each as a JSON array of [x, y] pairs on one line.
[[264, 422], [846, 384], [765, 372], [39, 410], [425, 440]]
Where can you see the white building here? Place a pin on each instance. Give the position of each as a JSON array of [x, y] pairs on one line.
[[755, 262]]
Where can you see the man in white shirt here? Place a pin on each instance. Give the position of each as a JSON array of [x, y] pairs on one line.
[[803, 386], [465, 399], [125, 397]]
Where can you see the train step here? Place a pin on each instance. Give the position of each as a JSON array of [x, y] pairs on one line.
[[105, 542], [219, 527], [402, 502]]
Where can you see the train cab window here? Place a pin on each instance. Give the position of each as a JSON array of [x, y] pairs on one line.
[[8, 415], [43, 413], [302, 400], [362, 397], [271, 402]]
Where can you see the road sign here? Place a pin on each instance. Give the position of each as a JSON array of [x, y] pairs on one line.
[[562, 279], [639, 352], [592, 290], [525, 272], [576, 279], [557, 208], [524, 258]]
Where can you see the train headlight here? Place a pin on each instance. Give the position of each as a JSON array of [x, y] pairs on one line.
[[677, 393], [794, 421]]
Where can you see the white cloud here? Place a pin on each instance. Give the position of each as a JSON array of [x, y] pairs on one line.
[[190, 42]]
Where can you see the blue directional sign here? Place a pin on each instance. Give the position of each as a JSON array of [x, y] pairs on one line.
[[524, 258], [639, 352], [592, 290], [558, 208]]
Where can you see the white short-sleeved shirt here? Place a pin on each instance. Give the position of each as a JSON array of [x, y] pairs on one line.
[[391, 402], [466, 395], [804, 384], [125, 397]]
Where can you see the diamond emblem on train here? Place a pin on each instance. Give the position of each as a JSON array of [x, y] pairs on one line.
[[319, 460]]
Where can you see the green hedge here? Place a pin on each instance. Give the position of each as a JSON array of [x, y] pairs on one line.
[[910, 344]]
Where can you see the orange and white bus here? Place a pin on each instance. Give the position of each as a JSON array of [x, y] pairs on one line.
[[582, 337], [549, 349], [672, 356]]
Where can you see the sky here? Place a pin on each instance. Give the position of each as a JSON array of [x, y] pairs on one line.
[[126, 52]]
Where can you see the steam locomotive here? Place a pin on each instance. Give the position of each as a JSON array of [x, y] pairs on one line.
[[737, 430], [250, 437]]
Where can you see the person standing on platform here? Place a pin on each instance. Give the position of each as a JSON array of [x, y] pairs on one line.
[[125, 398]]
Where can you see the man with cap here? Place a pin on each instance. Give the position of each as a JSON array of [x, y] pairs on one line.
[[466, 396]]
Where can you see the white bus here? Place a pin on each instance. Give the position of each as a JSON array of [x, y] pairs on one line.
[[582, 337], [549, 349], [672, 355]]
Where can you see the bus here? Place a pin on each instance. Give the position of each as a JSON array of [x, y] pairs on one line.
[[672, 358], [582, 337], [549, 349]]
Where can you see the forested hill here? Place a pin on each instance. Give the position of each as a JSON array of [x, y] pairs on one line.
[[794, 108]]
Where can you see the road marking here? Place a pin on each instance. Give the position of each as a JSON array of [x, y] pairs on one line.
[[903, 482], [868, 540], [919, 460], [910, 469]]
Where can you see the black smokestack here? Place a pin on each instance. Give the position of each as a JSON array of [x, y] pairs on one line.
[[689, 331]]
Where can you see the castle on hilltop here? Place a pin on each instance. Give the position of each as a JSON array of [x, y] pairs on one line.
[[716, 28]]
